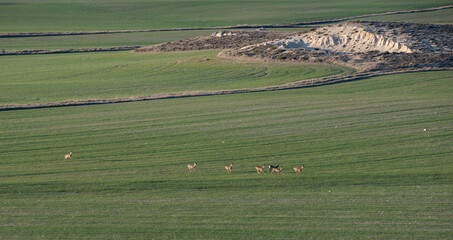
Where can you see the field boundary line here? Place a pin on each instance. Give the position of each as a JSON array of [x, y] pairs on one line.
[[293, 85], [56, 51], [245, 26]]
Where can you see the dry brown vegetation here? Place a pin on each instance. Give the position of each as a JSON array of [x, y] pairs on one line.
[[217, 40], [424, 45]]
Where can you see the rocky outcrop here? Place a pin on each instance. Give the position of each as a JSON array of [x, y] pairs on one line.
[[364, 45]]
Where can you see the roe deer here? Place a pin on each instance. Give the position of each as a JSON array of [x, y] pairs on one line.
[[277, 170], [68, 155], [259, 169], [273, 167], [297, 169], [191, 166], [229, 167]]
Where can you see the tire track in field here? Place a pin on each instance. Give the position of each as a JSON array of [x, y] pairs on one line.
[[290, 25], [293, 85], [79, 50]]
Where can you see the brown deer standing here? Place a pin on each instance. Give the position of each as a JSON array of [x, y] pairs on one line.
[[297, 169], [68, 155], [277, 170], [229, 167], [259, 169], [191, 166], [271, 167]]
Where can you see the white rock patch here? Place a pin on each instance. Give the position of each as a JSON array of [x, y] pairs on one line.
[[350, 38]]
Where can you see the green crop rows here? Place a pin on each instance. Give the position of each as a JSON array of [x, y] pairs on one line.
[[377, 152]]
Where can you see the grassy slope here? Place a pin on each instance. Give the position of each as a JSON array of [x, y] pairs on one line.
[[48, 78], [371, 172], [437, 17], [109, 40], [98, 40], [82, 15], [143, 39]]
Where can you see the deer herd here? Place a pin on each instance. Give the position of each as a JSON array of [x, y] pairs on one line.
[[259, 169]]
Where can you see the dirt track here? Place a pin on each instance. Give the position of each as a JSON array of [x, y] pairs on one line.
[[37, 51], [299, 84]]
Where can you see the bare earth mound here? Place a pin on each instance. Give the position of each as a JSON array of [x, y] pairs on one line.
[[367, 46], [363, 45], [350, 38]]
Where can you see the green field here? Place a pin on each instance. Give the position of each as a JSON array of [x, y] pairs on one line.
[[371, 172], [98, 40], [83, 15], [436, 17], [110, 40], [150, 38], [58, 77]]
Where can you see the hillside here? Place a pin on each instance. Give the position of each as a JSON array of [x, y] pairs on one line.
[[371, 172], [364, 106], [365, 45], [361, 44]]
